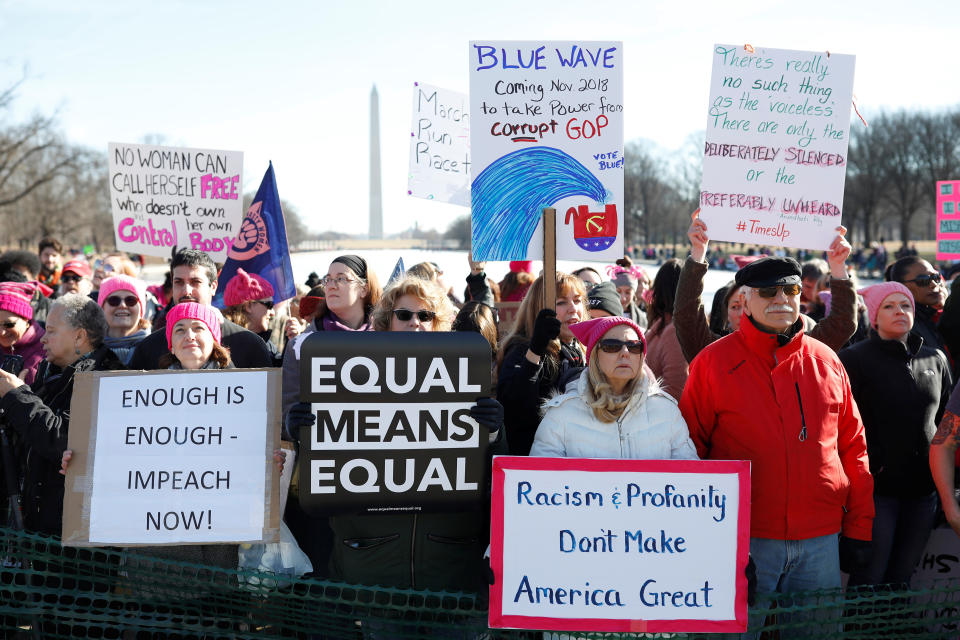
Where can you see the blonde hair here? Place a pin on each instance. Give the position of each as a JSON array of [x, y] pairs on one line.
[[607, 406], [424, 290], [522, 329], [423, 270]]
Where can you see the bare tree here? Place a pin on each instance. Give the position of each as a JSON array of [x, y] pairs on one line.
[[906, 191], [865, 184], [25, 150], [296, 229]]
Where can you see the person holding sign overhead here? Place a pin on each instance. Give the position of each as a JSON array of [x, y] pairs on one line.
[[539, 357], [693, 330], [770, 394], [615, 411]]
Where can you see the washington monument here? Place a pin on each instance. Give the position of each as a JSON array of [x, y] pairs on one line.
[[376, 207]]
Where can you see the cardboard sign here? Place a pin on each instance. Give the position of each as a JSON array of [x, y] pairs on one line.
[[165, 197], [644, 546], [439, 145], [938, 574], [173, 457], [547, 131], [948, 220], [775, 157], [393, 429]]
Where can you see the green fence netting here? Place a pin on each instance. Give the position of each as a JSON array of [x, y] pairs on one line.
[[50, 591]]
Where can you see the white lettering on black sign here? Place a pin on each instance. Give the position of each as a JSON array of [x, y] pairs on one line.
[[393, 428]]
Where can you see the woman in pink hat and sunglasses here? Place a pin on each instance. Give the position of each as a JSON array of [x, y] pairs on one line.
[[615, 411]]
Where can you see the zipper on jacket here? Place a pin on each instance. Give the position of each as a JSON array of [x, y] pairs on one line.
[[413, 548], [803, 421], [620, 432]]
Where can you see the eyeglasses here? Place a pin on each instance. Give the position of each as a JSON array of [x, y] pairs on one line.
[[771, 292], [9, 324], [267, 303], [611, 345], [924, 279], [106, 266], [69, 277], [130, 301], [404, 315], [340, 281]]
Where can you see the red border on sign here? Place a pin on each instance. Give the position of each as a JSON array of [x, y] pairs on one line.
[[497, 619]]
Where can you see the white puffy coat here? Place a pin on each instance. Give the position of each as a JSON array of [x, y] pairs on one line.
[[650, 428]]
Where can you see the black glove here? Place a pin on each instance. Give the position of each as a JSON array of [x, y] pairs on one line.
[[854, 554], [545, 328], [299, 415], [750, 571], [489, 413]]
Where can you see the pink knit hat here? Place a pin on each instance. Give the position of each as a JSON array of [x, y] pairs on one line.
[[589, 332], [14, 297], [193, 311], [244, 287], [521, 266], [874, 296], [121, 282]]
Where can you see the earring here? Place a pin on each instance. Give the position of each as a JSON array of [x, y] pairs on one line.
[[76, 349]]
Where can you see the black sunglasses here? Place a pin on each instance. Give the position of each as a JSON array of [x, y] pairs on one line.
[[267, 303], [9, 324], [924, 279], [130, 301], [771, 292], [69, 277], [612, 345], [404, 315]]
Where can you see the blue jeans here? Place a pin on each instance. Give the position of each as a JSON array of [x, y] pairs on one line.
[[784, 566], [901, 529]]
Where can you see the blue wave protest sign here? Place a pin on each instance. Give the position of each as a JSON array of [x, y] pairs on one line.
[[546, 131], [261, 245]]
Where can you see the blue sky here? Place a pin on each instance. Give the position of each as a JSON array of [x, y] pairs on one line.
[[290, 81]]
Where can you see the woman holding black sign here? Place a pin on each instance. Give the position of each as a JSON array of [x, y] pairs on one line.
[[350, 292], [437, 551], [539, 357]]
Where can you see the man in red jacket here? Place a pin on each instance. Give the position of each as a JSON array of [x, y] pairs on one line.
[[772, 395]]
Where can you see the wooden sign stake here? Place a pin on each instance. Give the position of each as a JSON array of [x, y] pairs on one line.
[[549, 258]]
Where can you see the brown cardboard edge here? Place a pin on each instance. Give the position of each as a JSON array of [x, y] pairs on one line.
[[81, 436], [80, 530]]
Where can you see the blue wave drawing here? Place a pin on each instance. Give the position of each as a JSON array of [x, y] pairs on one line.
[[509, 195]]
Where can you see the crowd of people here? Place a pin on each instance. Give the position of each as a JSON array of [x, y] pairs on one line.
[[841, 398]]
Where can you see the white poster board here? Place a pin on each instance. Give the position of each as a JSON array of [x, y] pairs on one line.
[[165, 197], [173, 457], [439, 145], [775, 157], [619, 545], [546, 131]]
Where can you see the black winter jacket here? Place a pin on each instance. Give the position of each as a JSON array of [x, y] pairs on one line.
[[41, 419], [436, 551], [522, 388], [902, 391]]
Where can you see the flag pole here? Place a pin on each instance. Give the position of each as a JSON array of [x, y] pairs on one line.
[[549, 258]]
